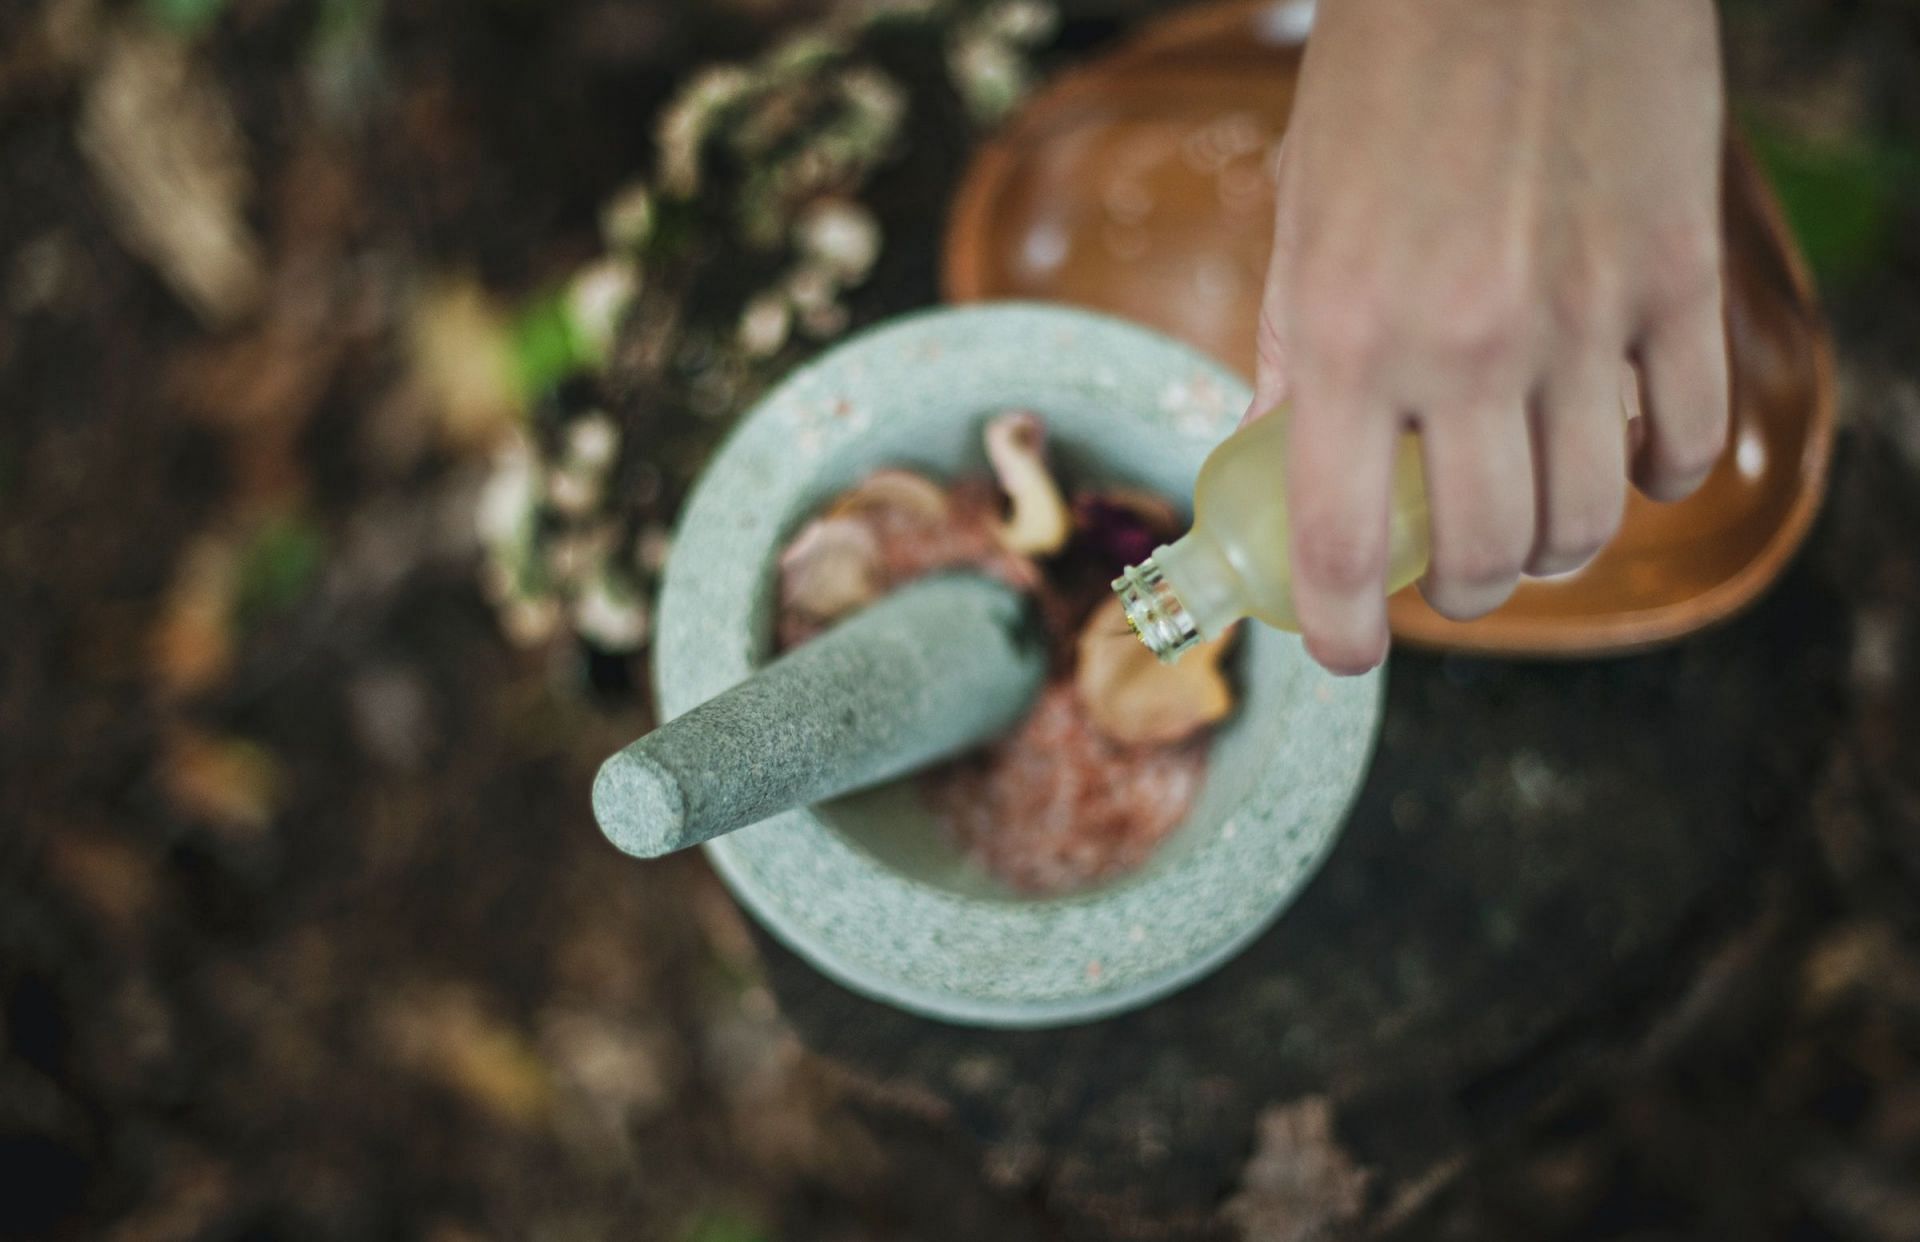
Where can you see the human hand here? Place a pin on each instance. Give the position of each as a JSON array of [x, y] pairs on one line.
[[1486, 209]]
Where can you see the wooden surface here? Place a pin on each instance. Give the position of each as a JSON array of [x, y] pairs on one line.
[[1140, 183]]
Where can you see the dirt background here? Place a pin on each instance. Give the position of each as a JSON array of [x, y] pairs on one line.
[[305, 930]]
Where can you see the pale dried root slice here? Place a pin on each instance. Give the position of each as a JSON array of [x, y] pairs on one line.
[[1039, 522], [894, 492], [831, 568], [1133, 698]]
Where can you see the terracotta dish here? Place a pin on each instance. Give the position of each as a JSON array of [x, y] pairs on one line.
[[1139, 186]]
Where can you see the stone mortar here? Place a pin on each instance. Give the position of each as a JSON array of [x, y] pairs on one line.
[[866, 888]]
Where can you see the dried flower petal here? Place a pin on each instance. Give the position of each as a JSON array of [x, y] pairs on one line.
[[1132, 697], [811, 288], [611, 614], [593, 442], [530, 620], [1021, 21], [876, 106], [505, 510], [832, 568], [1039, 524], [840, 235], [765, 324], [1121, 528], [573, 492], [626, 222], [598, 299], [687, 122], [573, 556], [991, 76]]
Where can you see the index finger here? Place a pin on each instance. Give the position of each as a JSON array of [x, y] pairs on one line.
[[1339, 475]]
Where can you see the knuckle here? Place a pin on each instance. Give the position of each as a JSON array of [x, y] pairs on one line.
[[1338, 556], [1686, 273], [1583, 302], [1482, 327], [1343, 334]]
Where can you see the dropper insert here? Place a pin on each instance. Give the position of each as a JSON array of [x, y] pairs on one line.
[[1155, 612]]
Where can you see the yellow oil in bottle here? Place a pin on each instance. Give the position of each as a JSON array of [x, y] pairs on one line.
[[1235, 562]]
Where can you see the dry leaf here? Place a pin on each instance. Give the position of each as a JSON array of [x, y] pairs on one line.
[[445, 1033], [157, 132], [462, 359], [115, 881], [1040, 522], [618, 1071], [231, 782], [193, 639], [1300, 1185], [1135, 699], [832, 568]]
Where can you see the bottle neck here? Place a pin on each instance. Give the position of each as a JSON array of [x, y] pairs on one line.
[[1184, 594]]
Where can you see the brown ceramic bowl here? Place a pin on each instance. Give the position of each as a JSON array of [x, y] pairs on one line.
[[1139, 186]]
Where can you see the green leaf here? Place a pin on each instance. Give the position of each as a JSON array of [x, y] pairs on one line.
[[277, 567], [184, 17], [1840, 197], [340, 19], [343, 54], [547, 347]]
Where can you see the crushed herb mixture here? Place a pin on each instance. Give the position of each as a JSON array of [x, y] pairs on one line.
[[1109, 759]]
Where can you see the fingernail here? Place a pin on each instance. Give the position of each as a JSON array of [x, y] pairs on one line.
[[1547, 567], [1348, 637], [1457, 602], [1344, 662]]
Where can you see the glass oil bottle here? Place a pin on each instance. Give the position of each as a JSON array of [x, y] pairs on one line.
[[1235, 561]]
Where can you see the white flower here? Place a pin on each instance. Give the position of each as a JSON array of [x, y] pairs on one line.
[[593, 442], [598, 299], [611, 615], [841, 236]]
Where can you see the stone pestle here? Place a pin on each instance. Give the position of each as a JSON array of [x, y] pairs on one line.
[[936, 667]]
